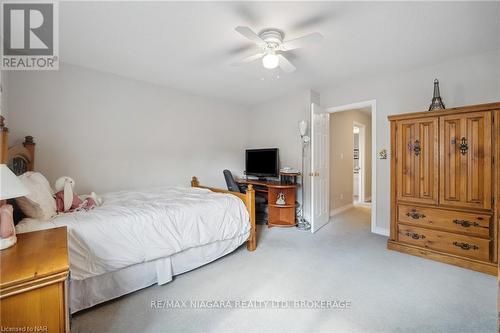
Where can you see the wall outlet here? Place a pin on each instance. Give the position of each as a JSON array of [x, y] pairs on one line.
[[341, 196], [341, 156]]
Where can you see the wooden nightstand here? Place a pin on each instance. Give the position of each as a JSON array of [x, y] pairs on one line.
[[33, 283]]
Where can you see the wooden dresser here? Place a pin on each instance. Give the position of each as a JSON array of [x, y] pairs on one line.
[[444, 185], [33, 283]]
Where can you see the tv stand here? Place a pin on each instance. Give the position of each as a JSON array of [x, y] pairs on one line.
[[280, 215]]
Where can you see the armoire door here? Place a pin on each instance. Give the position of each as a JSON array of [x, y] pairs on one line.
[[418, 160], [465, 147]]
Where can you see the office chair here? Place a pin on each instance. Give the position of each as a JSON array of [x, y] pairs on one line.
[[260, 201], [230, 182]]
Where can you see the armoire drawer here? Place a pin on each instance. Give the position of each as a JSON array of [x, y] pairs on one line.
[[465, 246], [470, 223]]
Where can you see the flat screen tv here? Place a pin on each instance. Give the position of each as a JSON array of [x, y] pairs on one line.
[[262, 162]]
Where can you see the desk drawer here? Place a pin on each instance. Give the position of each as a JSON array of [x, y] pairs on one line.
[[465, 246], [470, 223]]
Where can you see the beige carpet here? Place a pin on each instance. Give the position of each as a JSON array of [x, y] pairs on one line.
[[387, 291]]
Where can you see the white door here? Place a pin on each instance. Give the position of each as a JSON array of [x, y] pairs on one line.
[[320, 159], [355, 188]]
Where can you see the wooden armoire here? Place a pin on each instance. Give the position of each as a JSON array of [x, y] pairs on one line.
[[444, 185]]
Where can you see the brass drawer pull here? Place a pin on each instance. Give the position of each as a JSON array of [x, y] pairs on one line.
[[414, 235], [466, 246], [415, 215], [464, 146], [465, 223], [416, 148]]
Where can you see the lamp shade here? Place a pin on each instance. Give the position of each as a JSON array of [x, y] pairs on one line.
[[270, 61], [303, 127], [10, 185]]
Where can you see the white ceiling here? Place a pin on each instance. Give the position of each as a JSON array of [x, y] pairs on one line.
[[190, 46]]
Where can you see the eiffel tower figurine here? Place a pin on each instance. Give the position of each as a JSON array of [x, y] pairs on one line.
[[437, 102]]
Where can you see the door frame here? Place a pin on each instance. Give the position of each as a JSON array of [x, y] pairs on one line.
[[373, 105], [361, 157]]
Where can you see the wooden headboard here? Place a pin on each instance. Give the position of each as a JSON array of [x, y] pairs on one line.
[[19, 158]]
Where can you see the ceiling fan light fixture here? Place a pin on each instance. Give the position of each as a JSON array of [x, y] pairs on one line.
[[270, 61], [273, 47]]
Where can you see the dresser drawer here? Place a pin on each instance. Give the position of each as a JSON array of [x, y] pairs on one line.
[[473, 224], [465, 246]]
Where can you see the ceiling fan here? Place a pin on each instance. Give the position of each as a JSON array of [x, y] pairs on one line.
[[273, 46]]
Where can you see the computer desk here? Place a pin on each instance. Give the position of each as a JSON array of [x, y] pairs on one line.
[[278, 215]]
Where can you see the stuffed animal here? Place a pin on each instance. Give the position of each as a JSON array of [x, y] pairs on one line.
[[68, 201]]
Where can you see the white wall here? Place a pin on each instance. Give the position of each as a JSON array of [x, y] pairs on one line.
[[463, 81], [113, 133], [275, 124]]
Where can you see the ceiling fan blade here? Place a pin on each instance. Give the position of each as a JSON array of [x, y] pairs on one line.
[[312, 21], [286, 65], [250, 34], [249, 59], [301, 41]]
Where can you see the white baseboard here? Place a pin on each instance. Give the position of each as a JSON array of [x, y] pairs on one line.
[[366, 205], [380, 231], [339, 210]]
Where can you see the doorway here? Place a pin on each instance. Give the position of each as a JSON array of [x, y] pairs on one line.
[[352, 158], [357, 170]]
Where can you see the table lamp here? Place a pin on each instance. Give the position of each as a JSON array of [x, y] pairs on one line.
[[10, 187]]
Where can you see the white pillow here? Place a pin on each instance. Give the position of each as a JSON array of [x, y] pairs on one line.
[[39, 203]]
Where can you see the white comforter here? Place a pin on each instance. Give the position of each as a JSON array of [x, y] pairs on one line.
[[136, 226]]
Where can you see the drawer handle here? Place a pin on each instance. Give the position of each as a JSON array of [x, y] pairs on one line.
[[415, 215], [465, 223], [414, 235], [464, 146], [416, 148], [466, 246]]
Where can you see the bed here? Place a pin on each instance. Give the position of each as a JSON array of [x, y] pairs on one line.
[[143, 237]]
